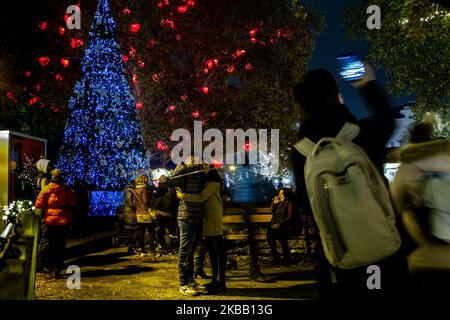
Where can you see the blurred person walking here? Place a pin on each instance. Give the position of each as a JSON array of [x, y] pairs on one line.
[[421, 191]]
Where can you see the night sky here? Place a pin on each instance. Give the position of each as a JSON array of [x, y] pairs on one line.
[[333, 42], [330, 43]]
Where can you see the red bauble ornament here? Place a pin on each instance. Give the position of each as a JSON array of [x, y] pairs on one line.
[[166, 2], [205, 89], [155, 77], [135, 27], [125, 58], [42, 25], [65, 62], [62, 30], [172, 108], [249, 66], [58, 77], [141, 64], [206, 71], [191, 3], [27, 73], [44, 61], [182, 9], [230, 69], [160, 4], [139, 105], [253, 40], [126, 11]]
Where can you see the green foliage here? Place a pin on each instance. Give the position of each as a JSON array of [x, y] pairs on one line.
[[413, 48]]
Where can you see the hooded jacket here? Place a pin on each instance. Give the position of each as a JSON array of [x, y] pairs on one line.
[[417, 159], [59, 200]]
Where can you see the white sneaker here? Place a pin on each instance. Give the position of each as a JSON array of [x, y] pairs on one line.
[[189, 290], [197, 286]]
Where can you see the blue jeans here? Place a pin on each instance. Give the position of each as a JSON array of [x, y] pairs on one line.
[[190, 234]]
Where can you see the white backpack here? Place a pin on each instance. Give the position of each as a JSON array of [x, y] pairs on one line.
[[436, 194], [350, 201]]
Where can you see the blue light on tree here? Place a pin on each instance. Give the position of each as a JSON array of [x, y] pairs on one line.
[[102, 140]]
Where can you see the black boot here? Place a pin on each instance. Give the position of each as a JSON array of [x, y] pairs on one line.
[[200, 273]]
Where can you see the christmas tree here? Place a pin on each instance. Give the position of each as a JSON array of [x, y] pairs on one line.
[[102, 142]]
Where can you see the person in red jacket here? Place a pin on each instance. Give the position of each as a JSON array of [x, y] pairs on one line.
[[58, 200]]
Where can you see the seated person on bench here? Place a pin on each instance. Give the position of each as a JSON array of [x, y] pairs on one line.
[[284, 221]]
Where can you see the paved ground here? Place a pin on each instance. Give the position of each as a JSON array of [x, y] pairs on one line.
[[112, 274]]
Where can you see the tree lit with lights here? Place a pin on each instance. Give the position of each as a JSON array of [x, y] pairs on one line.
[[102, 141]]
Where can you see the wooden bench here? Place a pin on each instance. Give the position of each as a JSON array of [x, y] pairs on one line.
[[242, 216]]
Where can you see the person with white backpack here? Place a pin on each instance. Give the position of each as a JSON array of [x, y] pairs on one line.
[[421, 191], [338, 163]]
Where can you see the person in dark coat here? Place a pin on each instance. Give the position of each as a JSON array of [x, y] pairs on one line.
[[130, 219], [323, 115], [284, 217]]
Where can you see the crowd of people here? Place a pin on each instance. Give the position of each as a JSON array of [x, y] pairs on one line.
[[189, 206]]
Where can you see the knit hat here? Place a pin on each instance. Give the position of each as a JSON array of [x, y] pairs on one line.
[[42, 165]]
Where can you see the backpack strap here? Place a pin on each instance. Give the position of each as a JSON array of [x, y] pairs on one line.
[[348, 132], [304, 146]]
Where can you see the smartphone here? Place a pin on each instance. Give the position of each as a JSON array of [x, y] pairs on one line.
[[351, 68]]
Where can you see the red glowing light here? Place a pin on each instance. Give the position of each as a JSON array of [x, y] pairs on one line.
[[66, 18], [135, 27], [184, 97], [253, 32], [132, 52], [10, 95], [125, 58], [247, 147], [64, 62], [178, 37], [139, 105], [230, 69], [191, 3], [27, 73], [62, 30], [166, 2], [58, 77], [167, 22], [182, 9], [239, 53], [160, 4], [205, 71], [253, 40], [155, 77], [141, 64], [161, 145], [249, 66], [205, 89], [195, 114], [44, 61], [33, 101], [216, 163], [76, 43], [210, 64], [134, 79], [38, 87], [213, 114], [172, 108], [126, 10], [42, 25]]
